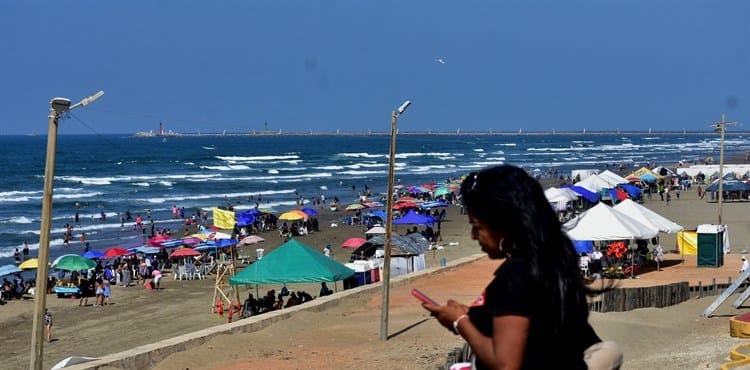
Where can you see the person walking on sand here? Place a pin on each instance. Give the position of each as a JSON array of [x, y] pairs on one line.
[[745, 265], [536, 303], [48, 325]]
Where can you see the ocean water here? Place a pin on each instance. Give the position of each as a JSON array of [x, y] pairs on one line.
[[116, 173]]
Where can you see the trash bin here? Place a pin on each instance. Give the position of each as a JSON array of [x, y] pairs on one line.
[[443, 262], [258, 254]]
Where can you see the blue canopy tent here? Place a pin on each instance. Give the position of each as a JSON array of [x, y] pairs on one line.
[[632, 190], [583, 246], [590, 196], [413, 218], [730, 183], [246, 218]]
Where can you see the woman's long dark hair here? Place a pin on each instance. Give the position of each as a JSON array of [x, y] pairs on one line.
[[507, 199]]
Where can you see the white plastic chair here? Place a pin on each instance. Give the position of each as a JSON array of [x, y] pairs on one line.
[[584, 265], [181, 272]]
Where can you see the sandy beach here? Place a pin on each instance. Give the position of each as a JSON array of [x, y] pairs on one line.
[[347, 335]]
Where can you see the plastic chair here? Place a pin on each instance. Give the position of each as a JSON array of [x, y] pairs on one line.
[[584, 265], [181, 272]]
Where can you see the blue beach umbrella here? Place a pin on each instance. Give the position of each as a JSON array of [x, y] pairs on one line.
[[225, 243], [310, 211], [145, 249], [9, 269], [93, 255]]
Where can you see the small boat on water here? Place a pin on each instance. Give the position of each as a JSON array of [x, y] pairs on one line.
[[210, 147]]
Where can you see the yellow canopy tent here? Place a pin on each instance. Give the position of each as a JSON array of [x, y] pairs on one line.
[[644, 171], [687, 242]]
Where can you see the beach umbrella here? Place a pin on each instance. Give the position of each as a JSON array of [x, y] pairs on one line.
[[191, 241], [375, 230], [291, 216], [207, 246], [158, 240], [355, 206], [310, 211], [58, 258], [115, 252], [184, 252], [404, 205], [442, 191], [224, 243], [29, 264], [145, 249], [252, 239], [9, 269], [72, 360], [353, 243], [93, 255], [74, 263], [172, 243]]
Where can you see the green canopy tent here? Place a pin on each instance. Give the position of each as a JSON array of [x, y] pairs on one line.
[[292, 262]]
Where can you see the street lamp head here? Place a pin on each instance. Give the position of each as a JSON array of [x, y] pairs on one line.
[[403, 107], [60, 105]]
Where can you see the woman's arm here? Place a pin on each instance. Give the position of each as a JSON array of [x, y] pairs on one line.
[[506, 347]]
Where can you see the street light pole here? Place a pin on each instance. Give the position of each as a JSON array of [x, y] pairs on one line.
[[58, 106], [721, 126], [389, 225]]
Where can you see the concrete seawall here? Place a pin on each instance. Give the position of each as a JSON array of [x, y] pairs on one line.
[[147, 356]]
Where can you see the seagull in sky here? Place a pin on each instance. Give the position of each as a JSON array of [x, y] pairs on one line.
[[440, 60]]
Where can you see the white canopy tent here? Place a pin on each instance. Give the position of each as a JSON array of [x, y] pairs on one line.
[[555, 195], [612, 178], [603, 222], [647, 216], [594, 183]]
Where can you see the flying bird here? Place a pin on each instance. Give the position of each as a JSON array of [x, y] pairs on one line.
[[440, 60]]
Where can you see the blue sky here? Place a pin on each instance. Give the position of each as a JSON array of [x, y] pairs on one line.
[[328, 65]]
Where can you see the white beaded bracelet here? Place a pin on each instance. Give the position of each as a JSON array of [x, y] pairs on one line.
[[458, 320]]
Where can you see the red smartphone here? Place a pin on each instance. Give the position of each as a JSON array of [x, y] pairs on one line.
[[422, 297]]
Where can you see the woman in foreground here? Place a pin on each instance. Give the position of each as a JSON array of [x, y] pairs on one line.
[[534, 313]]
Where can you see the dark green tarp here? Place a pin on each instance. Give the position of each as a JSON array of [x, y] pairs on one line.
[[292, 262]]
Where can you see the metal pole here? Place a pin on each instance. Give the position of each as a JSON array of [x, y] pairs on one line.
[[722, 127], [40, 294], [388, 226]]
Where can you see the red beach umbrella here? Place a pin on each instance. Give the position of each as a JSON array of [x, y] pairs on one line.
[[115, 252], [353, 243], [184, 252], [157, 240]]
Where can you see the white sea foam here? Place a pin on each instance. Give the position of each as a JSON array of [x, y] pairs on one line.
[[230, 167], [361, 155], [16, 220], [165, 183], [256, 158], [360, 173], [194, 197], [273, 172], [143, 184]]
